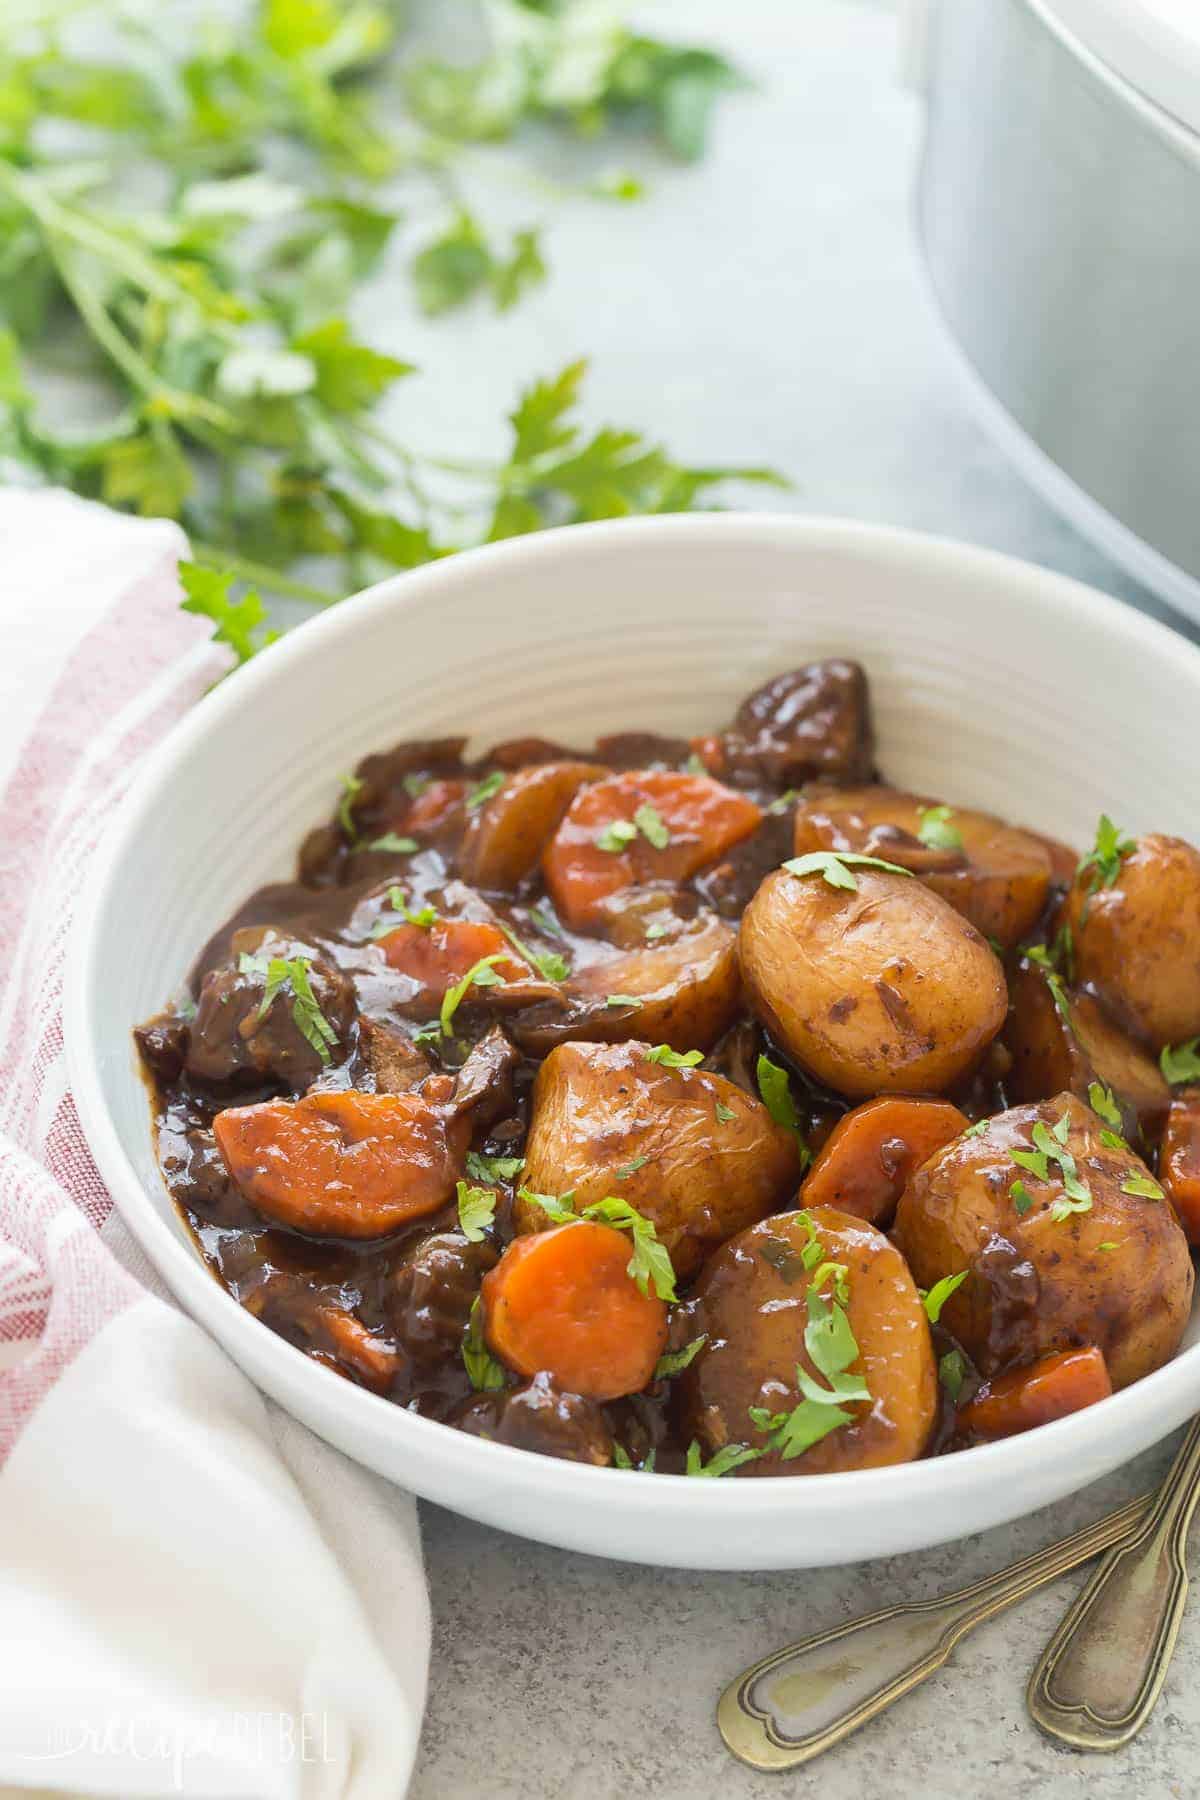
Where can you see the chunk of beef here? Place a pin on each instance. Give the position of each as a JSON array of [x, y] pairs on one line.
[[813, 722], [248, 1024]]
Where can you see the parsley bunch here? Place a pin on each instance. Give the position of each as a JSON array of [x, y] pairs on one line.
[[187, 226]]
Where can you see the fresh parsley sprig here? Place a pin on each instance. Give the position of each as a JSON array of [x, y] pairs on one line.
[[775, 1091], [835, 867], [935, 830], [291, 972], [650, 1264], [1180, 1062]]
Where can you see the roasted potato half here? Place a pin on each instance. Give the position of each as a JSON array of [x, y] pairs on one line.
[[879, 989], [1055, 1051], [1114, 1271], [993, 874], [1137, 941], [607, 1120], [506, 837], [682, 991], [751, 1302]]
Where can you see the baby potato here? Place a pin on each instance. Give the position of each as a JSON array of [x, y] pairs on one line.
[[505, 838], [883, 989], [1052, 1053], [608, 1120], [1114, 1271], [682, 991], [1138, 941], [996, 876], [751, 1302]]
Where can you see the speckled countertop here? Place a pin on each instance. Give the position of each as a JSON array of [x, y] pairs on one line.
[[766, 307]]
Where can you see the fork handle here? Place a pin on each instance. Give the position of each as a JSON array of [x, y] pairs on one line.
[[802, 1700], [1101, 1674]]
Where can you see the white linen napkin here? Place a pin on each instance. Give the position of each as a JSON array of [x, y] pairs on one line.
[[197, 1596]]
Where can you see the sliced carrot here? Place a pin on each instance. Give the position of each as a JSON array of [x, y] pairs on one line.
[[648, 825], [439, 955], [563, 1302], [1048, 1389], [434, 806], [371, 1360], [343, 1164], [1179, 1161], [867, 1158]]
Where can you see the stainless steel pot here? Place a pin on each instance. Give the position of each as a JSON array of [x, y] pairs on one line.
[[1059, 212]]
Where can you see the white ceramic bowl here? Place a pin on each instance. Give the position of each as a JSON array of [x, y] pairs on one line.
[[994, 683]]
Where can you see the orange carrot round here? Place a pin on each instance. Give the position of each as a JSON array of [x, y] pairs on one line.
[[1048, 1389], [1179, 1161], [869, 1155], [343, 1164], [648, 825], [440, 955], [563, 1302]]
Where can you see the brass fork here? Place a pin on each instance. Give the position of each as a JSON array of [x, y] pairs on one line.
[[806, 1698]]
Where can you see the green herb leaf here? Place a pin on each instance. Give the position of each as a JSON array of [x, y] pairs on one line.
[[621, 1456], [952, 1373], [399, 846], [424, 917], [493, 1168], [551, 965], [476, 1211], [775, 1090], [1022, 1199], [940, 1292], [673, 1362], [782, 802], [725, 1114], [485, 789], [485, 1373], [615, 1000], [726, 1460], [935, 830], [1108, 1245], [480, 974], [649, 822], [282, 974], [1102, 864], [239, 624], [1180, 1062], [558, 1207], [1144, 1187], [834, 867], [631, 1168], [978, 1129], [617, 836], [650, 1264], [674, 1059], [1104, 1105]]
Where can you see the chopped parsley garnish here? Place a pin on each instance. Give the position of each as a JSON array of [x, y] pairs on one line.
[[781, 804], [1044, 959], [978, 1129], [476, 1211], [1104, 1105], [1022, 1199], [480, 974], [725, 1114], [649, 822], [1108, 1245], [674, 1059], [485, 1373], [832, 1348], [493, 1168], [621, 1456], [1143, 1187], [673, 1362], [935, 830], [399, 846], [952, 1373], [776, 1093], [622, 1000], [1180, 1062], [429, 1033], [940, 1292], [424, 917], [728, 1458], [1102, 864], [650, 1262], [657, 930], [617, 836], [292, 972], [415, 785], [631, 1168], [1049, 1148], [352, 787], [832, 867], [551, 965], [483, 791]]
